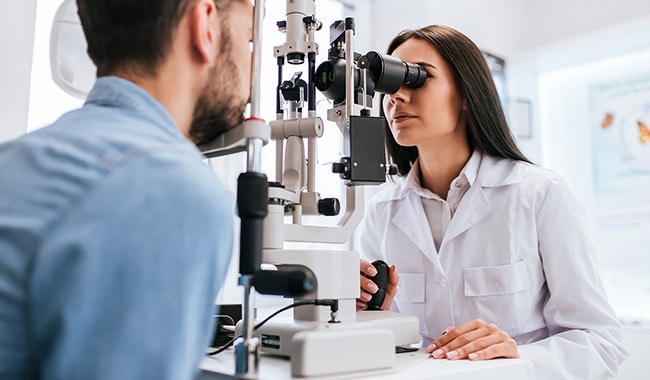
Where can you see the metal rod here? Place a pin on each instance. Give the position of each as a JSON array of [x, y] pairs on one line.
[[349, 71], [247, 350], [279, 160], [363, 87], [311, 97], [254, 153], [278, 101], [257, 59], [311, 164]]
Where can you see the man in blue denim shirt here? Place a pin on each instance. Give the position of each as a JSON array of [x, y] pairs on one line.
[[114, 234]]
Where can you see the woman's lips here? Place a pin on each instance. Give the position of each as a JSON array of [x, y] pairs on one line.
[[402, 118]]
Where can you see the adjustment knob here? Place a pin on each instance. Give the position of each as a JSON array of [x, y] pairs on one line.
[[329, 206], [338, 167], [392, 169]]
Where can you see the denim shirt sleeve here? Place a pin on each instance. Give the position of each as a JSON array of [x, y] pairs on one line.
[[124, 285]]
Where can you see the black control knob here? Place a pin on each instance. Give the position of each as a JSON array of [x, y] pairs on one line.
[[338, 167], [381, 279], [392, 169], [329, 206]]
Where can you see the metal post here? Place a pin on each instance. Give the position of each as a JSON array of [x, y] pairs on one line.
[[349, 66], [247, 349]]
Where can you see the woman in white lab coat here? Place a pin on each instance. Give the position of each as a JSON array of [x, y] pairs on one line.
[[489, 251]]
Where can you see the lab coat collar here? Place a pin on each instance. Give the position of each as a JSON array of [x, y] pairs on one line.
[[471, 167], [409, 218], [482, 169], [490, 172], [495, 172], [468, 173]]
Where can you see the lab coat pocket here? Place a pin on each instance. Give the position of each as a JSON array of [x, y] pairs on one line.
[[499, 295], [410, 296]]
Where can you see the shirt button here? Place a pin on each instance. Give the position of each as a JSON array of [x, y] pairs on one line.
[[458, 184], [497, 283], [443, 283]]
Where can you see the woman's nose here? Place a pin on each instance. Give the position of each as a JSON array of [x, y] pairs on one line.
[[402, 95]]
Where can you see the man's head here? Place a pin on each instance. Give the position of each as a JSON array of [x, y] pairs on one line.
[[137, 38], [221, 105], [130, 33]]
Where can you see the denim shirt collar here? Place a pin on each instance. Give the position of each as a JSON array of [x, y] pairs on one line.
[[112, 90]]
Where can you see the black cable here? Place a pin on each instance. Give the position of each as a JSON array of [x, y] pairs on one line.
[[327, 302], [224, 347]]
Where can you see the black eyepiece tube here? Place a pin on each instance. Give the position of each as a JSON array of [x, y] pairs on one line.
[[390, 73], [415, 75], [294, 281], [252, 198]]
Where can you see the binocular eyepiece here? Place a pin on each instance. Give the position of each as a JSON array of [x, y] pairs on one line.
[[384, 73]]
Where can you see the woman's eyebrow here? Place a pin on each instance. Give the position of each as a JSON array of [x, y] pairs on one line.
[[427, 64]]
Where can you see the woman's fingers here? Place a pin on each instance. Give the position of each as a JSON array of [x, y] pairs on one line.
[[452, 333], [475, 340], [367, 287], [505, 349], [367, 268], [472, 345]]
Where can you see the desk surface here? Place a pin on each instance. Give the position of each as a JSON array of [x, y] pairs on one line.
[[413, 365]]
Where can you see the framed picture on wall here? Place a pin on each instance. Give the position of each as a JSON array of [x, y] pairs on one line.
[[621, 149]]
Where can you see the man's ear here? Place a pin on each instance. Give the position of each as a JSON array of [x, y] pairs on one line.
[[204, 29]]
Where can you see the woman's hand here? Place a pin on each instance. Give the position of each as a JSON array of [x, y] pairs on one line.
[[368, 287], [475, 340]]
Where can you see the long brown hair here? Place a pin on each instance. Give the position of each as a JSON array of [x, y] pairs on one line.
[[487, 129]]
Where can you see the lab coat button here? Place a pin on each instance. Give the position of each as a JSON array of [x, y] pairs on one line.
[[459, 184], [497, 283], [443, 283]]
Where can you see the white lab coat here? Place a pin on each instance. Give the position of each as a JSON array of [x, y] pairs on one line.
[[517, 253]]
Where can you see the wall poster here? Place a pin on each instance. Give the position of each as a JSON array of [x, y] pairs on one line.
[[621, 150]]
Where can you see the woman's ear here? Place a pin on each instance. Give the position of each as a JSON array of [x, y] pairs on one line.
[[204, 29]]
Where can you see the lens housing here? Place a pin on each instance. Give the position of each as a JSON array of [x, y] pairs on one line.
[[384, 73], [390, 73]]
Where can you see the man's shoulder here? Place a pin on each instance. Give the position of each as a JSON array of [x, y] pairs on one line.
[[50, 170]]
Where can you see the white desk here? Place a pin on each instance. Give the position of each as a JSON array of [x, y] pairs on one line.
[[414, 365]]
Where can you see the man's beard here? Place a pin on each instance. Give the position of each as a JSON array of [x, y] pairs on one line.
[[218, 109]]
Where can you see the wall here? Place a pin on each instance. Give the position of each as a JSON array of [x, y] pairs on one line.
[[17, 31], [504, 27], [47, 101], [553, 20], [389, 17], [636, 366], [521, 32], [527, 66], [558, 78]]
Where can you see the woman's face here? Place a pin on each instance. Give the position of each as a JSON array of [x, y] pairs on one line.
[[431, 112]]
